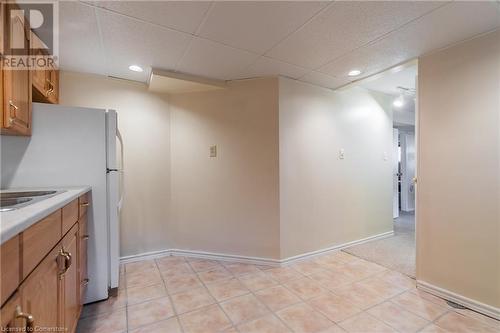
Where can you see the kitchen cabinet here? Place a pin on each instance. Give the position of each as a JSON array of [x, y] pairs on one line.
[[9, 271], [47, 273], [41, 291], [70, 279], [83, 246], [20, 87], [12, 317], [16, 84], [45, 81]]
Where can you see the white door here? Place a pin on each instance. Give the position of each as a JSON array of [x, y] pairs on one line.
[[395, 171]]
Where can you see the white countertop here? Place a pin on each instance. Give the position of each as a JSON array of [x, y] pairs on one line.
[[15, 221]]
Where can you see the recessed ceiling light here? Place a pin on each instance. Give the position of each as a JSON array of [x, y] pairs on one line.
[[354, 72], [135, 68], [398, 102]]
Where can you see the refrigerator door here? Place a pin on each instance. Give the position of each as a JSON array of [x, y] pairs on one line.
[[114, 228], [113, 196], [67, 148], [111, 134]]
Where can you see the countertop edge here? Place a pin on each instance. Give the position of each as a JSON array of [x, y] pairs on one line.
[[41, 209]]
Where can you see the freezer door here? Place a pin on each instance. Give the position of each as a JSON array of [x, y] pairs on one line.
[[111, 133], [114, 227]]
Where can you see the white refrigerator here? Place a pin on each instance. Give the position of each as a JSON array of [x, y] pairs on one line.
[[72, 146]]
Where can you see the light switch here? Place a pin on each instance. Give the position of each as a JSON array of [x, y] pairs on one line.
[[213, 151], [341, 153]]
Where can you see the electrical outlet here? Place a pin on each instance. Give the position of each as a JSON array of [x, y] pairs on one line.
[[213, 151], [341, 153]]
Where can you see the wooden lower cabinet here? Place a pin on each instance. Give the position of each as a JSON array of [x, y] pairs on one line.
[[12, 318], [50, 297], [83, 246], [71, 280], [41, 292]]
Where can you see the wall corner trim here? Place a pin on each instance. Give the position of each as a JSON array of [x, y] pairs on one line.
[[485, 309], [247, 259]]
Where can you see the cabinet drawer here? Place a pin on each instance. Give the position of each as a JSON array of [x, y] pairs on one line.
[[9, 273], [84, 202], [39, 239], [69, 216]]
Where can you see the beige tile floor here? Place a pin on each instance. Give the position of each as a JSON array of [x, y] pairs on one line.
[[336, 292]]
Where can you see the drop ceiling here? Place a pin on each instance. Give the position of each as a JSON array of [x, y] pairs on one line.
[[315, 42]]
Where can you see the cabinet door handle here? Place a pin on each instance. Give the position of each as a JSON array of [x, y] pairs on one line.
[[66, 256], [85, 237], [85, 282], [30, 321], [51, 88], [68, 260], [85, 204], [12, 105]]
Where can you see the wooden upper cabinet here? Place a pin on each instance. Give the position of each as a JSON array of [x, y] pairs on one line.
[[16, 90], [45, 81]]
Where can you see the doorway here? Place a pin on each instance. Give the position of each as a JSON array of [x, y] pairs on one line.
[[398, 90]]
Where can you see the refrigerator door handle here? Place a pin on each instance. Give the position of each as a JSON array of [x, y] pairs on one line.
[[121, 170]]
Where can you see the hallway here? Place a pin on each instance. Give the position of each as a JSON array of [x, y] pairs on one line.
[[396, 252]]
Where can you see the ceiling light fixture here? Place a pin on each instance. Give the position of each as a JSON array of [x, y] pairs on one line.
[[399, 102], [354, 72], [135, 68]]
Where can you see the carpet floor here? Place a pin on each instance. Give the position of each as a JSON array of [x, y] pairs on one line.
[[396, 252]]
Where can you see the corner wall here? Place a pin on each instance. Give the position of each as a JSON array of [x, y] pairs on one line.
[[227, 204], [324, 200], [458, 194]]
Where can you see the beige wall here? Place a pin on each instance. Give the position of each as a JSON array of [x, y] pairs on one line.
[[326, 201], [228, 204], [267, 131], [458, 220], [143, 119]]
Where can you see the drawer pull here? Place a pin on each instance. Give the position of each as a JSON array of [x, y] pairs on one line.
[[30, 321], [85, 204], [85, 282], [85, 237]]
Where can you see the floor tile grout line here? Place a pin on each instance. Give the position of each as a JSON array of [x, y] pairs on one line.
[[168, 295], [372, 275]]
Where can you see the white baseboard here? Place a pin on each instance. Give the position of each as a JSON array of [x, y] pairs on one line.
[[226, 257], [485, 309], [145, 256], [247, 259], [334, 248]]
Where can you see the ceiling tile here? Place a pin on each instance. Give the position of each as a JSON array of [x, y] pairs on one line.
[[265, 66], [180, 15], [79, 43], [213, 60], [345, 26], [323, 80], [256, 25], [447, 25], [128, 41]]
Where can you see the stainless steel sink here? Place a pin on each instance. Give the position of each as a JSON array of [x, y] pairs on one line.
[[8, 195], [15, 200]]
